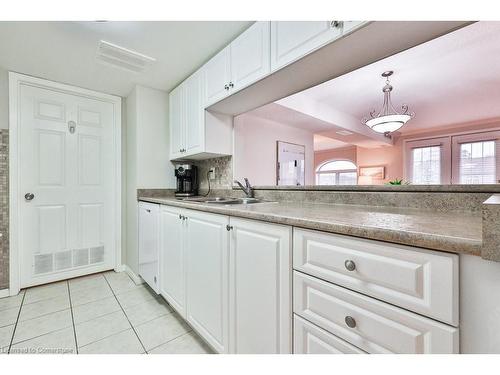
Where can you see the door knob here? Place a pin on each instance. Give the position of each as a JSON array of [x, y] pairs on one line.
[[29, 196]]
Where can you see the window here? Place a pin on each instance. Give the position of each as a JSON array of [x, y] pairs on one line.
[[476, 158], [459, 159], [428, 161], [477, 163], [426, 165], [337, 172]]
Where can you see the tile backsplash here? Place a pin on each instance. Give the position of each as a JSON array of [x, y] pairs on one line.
[[4, 208], [223, 172]]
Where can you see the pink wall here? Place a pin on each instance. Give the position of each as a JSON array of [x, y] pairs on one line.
[[255, 149], [390, 157]]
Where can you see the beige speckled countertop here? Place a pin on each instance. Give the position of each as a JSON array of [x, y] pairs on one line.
[[458, 232]]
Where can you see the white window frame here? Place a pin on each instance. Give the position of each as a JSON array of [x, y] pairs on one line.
[[443, 142], [336, 171], [471, 138]]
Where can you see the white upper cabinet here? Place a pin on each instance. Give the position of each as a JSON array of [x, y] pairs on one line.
[[244, 61], [260, 309], [291, 40], [217, 77], [149, 244], [250, 56], [207, 252], [177, 113]]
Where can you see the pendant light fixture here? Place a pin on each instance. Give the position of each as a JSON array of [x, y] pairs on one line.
[[387, 120]]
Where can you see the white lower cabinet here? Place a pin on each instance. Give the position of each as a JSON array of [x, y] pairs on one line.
[[149, 246], [310, 339], [207, 248], [173, 280], [260, 288], [367, 323]]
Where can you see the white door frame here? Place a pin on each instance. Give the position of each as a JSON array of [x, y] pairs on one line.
[[15, 82]]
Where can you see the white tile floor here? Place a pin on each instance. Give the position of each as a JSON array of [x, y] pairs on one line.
[[105, 313]]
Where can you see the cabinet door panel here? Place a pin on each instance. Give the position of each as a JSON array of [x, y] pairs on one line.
[[250, 55], [149, 244], [172, 258], [207, 249], [291, 40], [194, 114], [217, 75], [177, 112], [260, 282]]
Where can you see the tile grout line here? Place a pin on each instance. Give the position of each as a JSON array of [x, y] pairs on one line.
[[175, 338], [129, 322], [72, 317], [17, 321]]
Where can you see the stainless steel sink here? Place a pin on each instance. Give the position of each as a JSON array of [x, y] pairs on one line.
[[221, 200]]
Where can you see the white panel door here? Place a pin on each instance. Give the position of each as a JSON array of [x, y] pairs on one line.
[[260, 312], [149, 244], [291, 40], [177, 120], [173, 279], [66, 169], [194, 114], [207, 246], [250, 55], [217, 74]]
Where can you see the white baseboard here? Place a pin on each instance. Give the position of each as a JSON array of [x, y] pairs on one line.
[[4, 293], [136, 278]]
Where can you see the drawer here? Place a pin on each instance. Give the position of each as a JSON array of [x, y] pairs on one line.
[[375, 326], [420, 280], [310, 339]]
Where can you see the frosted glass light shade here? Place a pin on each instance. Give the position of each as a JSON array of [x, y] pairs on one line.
[[388, 123]]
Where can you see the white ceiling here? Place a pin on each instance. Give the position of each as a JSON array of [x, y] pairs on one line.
[[65, 51]]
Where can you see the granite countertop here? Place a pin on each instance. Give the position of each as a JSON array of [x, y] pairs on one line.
[[457, 232]]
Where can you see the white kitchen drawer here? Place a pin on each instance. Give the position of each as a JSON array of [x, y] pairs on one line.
[[420, 280], [310, 339], [378, 326]]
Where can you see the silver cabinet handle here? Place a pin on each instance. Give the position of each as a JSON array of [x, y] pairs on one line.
[[29, 196], [350, 265], [336, 24], [148, 210], [229, 227], [231, 85], [349, 320], [226, 87], [180, 217]]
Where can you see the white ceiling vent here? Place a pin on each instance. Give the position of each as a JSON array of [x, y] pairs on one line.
[[123, 58], [344, 132]]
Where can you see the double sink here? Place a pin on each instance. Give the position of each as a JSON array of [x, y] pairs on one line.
[[224, 201]]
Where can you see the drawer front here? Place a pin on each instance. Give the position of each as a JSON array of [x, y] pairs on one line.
[[310, 339], [419, 280], [375, 326]]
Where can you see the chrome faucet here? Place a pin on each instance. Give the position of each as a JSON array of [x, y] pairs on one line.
[[247, 188]]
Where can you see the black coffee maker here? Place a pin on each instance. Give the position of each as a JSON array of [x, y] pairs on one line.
[[187, 180]]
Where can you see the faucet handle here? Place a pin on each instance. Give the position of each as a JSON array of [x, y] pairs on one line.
[[247, 183]]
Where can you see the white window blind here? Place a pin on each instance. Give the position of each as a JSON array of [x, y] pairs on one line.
[[337, 172], [477, 164], [426, 165]]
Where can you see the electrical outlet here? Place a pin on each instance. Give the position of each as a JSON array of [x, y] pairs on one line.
[[211, 173]]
